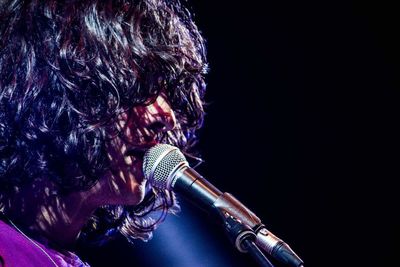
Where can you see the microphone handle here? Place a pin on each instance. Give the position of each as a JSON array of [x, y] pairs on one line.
[[190, 184]]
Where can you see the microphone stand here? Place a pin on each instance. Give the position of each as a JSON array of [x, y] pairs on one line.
[[226, 207], [243, 238]]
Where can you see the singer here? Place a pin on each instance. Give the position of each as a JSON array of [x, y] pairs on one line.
[[86, 87]]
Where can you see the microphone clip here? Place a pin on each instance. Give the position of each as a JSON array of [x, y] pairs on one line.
[[243, 238], [238, 232]]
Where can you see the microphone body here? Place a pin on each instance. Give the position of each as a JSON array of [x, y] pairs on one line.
[[185, 181]]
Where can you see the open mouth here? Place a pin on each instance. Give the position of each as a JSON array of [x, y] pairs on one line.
[[139, 151]]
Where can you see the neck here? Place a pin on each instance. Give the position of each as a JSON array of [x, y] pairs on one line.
[[56, 219], [62, 221]]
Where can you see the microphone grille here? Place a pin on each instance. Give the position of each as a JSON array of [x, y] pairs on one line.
[[159, 164]]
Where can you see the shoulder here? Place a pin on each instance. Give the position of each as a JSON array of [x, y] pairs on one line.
[[14, 249], [17, 250]]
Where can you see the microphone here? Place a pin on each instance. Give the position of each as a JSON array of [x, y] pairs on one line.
[[165, 167]]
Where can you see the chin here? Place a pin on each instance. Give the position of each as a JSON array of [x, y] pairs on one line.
[[113, 190], [135, 194]]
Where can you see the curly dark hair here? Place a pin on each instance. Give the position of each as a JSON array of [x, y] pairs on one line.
[[69, 68]]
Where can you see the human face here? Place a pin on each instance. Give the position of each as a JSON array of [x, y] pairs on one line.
[[139, 129]]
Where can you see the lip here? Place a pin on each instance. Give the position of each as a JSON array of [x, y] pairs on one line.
[[140, 150]]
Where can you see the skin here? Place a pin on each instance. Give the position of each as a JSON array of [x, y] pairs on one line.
[[59, 219]]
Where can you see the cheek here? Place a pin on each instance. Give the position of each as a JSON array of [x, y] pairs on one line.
[[127, 174], [124, 169], [124, 183]]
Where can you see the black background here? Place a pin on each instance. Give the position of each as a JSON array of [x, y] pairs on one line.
[[301, 126]]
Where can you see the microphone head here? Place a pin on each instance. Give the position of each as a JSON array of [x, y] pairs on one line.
[[160, 163]]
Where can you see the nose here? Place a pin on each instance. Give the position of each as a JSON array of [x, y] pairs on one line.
[[159, 116]]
